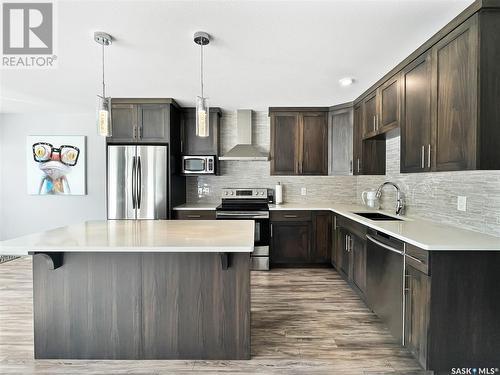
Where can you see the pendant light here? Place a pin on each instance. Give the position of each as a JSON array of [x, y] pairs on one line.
[[202, 111], [104, 103]]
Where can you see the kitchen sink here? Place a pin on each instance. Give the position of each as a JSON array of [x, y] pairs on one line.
[[377, 216]]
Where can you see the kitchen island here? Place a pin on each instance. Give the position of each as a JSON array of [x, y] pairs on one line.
[[141, 289]]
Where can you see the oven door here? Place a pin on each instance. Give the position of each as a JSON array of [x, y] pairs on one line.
[[262, 233]]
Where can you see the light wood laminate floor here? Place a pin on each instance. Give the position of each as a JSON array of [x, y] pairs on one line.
[[304, 321]]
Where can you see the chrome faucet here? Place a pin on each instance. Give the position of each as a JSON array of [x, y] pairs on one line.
[[400, 204]]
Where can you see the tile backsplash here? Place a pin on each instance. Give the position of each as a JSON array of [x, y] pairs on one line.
[[432, 196]]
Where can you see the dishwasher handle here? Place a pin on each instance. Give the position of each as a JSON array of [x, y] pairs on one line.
[[387, 247]]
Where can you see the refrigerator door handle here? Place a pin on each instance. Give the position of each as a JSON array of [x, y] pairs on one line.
[[139, 182], [134, 174]]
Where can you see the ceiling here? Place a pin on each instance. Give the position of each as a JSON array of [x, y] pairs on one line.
[[263, 53]]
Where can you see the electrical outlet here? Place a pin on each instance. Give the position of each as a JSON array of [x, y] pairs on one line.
[[303, 191], [461, 203]]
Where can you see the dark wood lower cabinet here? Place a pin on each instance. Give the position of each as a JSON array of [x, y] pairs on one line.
[[322, 232], [417, 298], [300, 238], [194, 214], [358, 249], [290, 242]]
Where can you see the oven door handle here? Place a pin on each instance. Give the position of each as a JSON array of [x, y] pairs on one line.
[[242, 216]]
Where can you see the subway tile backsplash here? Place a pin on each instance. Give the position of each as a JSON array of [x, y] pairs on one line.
[[432, 196]]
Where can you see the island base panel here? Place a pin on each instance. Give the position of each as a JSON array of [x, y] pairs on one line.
[[142, 306]]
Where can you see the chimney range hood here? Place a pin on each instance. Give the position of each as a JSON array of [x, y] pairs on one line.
[[244, 150]]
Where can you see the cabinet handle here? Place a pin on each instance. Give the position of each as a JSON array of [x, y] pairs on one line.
[[350, 166], [140, 131], [423, 156], [415, 259], [290, 216], [194, 216], [374, 123], [271, 229], [429, 157], [135, 131], [358, 165]]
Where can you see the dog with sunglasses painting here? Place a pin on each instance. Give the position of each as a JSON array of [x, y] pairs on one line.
[[56, 164]]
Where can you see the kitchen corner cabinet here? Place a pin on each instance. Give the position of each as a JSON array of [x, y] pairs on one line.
[[450, 97], [381, 109], [368, 154], [349, 253], [140, 120], [340, 141], [194, 145], [300, 237], [299, 143]]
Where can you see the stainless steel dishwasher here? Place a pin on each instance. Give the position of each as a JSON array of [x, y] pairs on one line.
[[385, 280]]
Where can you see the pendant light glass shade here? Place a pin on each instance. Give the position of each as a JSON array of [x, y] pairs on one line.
[[104, 116], [202, 117]]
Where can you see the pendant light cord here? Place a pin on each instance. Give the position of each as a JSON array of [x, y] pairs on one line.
[[201, 54], [103, 85]]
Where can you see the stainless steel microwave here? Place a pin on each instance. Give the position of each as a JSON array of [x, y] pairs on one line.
[[199, 164]]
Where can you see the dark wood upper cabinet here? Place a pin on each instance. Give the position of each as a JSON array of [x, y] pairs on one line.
[[381, 109], [455, 99], [124, 122], [340, 144], [299, 143], [194, 145], [285, 135], [416, 118], [141, 120], [314, 160], [357, 148], [370, 115], [153, 123], [389, 108]]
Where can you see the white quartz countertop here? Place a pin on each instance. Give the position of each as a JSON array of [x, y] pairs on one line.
[[139, 236], [422, 233]]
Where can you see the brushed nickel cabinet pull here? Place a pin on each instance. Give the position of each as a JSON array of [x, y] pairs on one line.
[[429, 157], [423, 156], [290, 216], [194, 216]]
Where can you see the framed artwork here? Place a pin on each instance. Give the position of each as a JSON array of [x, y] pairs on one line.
[[56, 165]]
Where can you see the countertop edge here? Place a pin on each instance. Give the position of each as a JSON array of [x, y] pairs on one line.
[[366, 222]]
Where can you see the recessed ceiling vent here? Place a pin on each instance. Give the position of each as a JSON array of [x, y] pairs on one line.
[[244, 150]]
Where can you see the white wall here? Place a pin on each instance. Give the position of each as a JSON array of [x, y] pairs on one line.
[[21, 213]]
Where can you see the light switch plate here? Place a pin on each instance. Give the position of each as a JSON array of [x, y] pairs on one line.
[[461, 203], [303, 191]]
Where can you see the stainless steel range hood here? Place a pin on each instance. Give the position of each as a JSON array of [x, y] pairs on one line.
[[244, 150]]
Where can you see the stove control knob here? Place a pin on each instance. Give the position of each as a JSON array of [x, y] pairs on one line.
[[225, 193], [256, 193], [232, 192], [261, 193]]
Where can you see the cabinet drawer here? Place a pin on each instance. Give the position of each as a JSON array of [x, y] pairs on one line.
[[417, 258], [194, 215], [291, 215]]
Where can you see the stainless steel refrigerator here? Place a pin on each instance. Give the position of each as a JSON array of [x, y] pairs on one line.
[[137, 182]]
